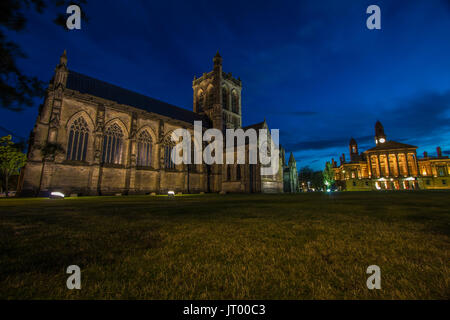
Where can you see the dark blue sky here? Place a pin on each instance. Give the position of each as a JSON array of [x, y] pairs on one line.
[[311, 68]]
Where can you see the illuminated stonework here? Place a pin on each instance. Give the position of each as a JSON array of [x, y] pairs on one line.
[[118, 142]]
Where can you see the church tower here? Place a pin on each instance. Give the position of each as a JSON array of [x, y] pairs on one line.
[[353, 146], [380, 137], [290, 175], [218, 95], [292, 163], [61, 72]]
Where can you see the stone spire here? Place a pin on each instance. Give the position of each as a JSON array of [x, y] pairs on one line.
[[353, 147], [217, 59], [291, 159], [63, 59], [61, 71]]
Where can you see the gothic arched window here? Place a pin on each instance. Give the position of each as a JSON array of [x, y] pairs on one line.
[[144, 149], [168, 146], [193, 167], [225, 98], [78, 140], [112, 145], [238, 172], [228, 173], [200, 100], [234, 102], [209, 97]]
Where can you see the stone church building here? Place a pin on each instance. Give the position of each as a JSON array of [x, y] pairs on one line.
[[95, 138]]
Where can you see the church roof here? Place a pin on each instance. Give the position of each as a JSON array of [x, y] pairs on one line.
[[389, 145], [255, 126], [85, 84]]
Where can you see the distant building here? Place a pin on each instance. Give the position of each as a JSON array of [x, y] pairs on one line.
[[390, 165], [118, 141], [290, 175]]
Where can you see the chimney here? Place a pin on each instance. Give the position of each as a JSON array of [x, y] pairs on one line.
[[333, 162], [343, 157], [425, 154], [439, 152]]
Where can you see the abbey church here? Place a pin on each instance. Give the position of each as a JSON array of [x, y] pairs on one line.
[[95, 138]]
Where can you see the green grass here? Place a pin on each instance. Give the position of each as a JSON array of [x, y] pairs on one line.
[[305, 246]]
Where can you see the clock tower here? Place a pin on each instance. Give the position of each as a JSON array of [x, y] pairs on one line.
[[380, 137]]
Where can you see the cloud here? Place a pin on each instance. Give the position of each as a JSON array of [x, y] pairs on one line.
[[303, 113], [340, 142], [414, 120], [422, 120], [297, 113], [419, 116]]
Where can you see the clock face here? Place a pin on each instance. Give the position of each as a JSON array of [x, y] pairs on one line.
[[382, 140]]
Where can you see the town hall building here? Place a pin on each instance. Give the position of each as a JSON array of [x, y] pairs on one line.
[[390, 165]]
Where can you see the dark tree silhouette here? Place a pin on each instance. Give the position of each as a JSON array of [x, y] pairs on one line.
[[16, 88]]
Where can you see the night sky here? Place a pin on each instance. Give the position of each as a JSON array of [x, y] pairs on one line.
[[311, 68]]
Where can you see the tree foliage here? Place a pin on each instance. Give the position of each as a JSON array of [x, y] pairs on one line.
[[305, 174], [12, 159], [317, 180], [311, 178], [328, 174], [17, 89]]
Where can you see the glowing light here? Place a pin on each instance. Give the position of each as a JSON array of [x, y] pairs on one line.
[[171, 193], [328, 190], [382, 140], [57, 194]]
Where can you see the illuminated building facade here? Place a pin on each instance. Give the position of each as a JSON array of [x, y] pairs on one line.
[[101, 139], [391, 165]]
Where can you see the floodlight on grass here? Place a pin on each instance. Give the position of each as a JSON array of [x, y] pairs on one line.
[[56, 194]]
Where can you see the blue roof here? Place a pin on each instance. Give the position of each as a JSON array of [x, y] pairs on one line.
[[85, 84]]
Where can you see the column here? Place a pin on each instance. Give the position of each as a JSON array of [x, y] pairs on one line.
[[417, 164], [158, 166], [379, 166], [388, 170], [131, 180], [397, 165], [407, 166]]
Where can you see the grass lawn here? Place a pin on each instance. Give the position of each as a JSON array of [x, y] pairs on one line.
[[305, 246]]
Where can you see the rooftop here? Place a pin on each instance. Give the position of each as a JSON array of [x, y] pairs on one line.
[[88, 85], [390, 145]]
